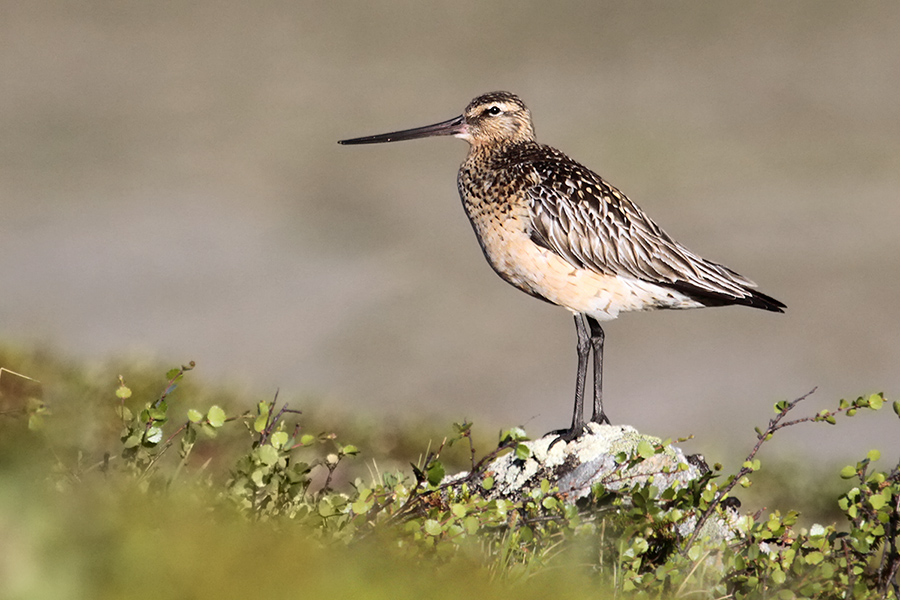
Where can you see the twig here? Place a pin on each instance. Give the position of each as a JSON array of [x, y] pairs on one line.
[[762, 437]]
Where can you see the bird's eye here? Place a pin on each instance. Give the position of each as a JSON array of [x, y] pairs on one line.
[[494, 110]]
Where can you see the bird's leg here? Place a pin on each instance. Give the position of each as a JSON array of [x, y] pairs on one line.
[[597, 347], [583, 347]]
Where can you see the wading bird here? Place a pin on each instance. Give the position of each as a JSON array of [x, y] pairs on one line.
[[558, 231]]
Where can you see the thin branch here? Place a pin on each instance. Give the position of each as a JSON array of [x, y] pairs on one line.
[[762, 437]]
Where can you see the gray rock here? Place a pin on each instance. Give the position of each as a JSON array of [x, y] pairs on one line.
[[576, 466]]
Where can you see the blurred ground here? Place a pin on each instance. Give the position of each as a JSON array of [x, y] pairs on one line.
[[171, 186]]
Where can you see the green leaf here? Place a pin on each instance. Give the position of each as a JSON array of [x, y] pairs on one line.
[[257, 477], [124, 413], [896, 406], [261, 422], [267, 454], [645, 449], [154, 435], [513, 435], [307, 440], [488, 483], [877, 502], [216, 416], [875, 401], [432, 527], [813, 558], [874, 455], [522, 452], [278, 439], [123, 392], [350, 450], [849, 471], [435, 473], [471, 524], [640, 544], [458, 509], [172, 373], [194, 415], [327, 507]]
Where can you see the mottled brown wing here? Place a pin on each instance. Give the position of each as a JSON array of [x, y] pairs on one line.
[[592, 225]]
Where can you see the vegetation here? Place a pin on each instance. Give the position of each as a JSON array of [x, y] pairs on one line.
[[122, 491]]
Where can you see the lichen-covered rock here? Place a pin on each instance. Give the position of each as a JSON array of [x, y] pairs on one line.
[[576, 466], [601, 455]]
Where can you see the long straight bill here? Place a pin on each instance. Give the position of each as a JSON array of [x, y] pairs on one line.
[[450, 127]]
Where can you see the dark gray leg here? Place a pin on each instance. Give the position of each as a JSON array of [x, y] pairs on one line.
[[583, 347], [597, 347]]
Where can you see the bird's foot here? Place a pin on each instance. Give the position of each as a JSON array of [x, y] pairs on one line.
[[567, 435], [600, 418]]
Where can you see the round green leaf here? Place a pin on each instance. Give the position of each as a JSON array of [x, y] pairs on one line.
[[267, 454], [154, 435], [216, 416], [194, 415], [849, 471], [278, 439], [471, 524], [645, 449], [432, 527], [877, 501]]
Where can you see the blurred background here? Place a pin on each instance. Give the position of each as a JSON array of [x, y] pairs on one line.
[[171, 188]]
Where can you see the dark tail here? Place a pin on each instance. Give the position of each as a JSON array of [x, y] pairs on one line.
[[708, 298]]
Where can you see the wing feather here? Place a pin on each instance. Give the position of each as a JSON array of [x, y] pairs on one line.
[[592, 225]]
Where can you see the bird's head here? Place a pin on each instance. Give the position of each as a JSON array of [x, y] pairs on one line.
[[493, 119]]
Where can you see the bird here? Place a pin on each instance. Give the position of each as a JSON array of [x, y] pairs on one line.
[[560, 232]]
